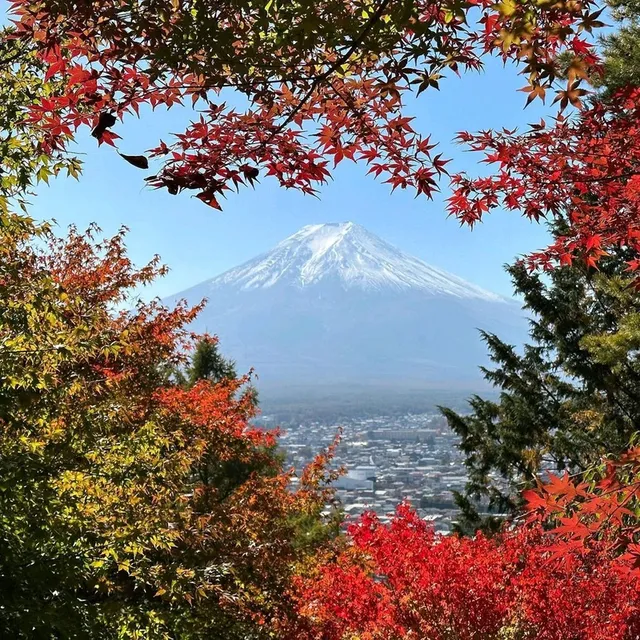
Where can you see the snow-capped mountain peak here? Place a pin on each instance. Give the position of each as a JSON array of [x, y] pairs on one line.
[[333, 303], [347, 254]]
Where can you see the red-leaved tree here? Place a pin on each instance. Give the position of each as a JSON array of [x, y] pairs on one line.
[[323, 81], [401, 580], [583, 169], [600, 515]]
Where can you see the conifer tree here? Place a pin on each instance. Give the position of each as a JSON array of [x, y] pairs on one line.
[[207, 363], [622, 48], [569, 397]]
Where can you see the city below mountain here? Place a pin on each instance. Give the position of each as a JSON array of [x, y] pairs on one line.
[[334, 304]]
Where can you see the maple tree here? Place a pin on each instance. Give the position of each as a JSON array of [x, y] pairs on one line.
[[22, 161], [118, 517], [323, 81], [401, 580], [570, 397], [595, 514], [580, 169]]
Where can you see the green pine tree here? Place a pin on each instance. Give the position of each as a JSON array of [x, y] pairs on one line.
[[208, 364], [569, 397], [622, 48]]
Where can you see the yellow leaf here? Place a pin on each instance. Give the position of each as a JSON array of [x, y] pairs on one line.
[[507, 7]]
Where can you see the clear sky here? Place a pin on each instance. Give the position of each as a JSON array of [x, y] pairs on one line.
[[198, 242]]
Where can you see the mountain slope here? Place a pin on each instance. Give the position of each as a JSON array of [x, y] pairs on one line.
[[349, 253], [334, 303]]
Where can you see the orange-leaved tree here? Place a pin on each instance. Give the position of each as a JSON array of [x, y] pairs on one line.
[[115, 517]]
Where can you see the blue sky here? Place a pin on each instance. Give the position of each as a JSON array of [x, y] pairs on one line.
[[198, 242]]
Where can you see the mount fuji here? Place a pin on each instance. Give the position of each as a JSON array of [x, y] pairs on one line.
[[335, 304]]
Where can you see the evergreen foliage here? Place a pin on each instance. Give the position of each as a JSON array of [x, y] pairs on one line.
[[569, 397], [208, 364], [622, 48]]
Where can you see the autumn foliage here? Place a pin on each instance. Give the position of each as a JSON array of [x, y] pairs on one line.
[[130, 506], [582, 169], [135, 505], [324, 81], [595, 515], [401, 580]]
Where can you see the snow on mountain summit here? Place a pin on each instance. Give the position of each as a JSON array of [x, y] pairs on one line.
[[333, 303], [346, 253]]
